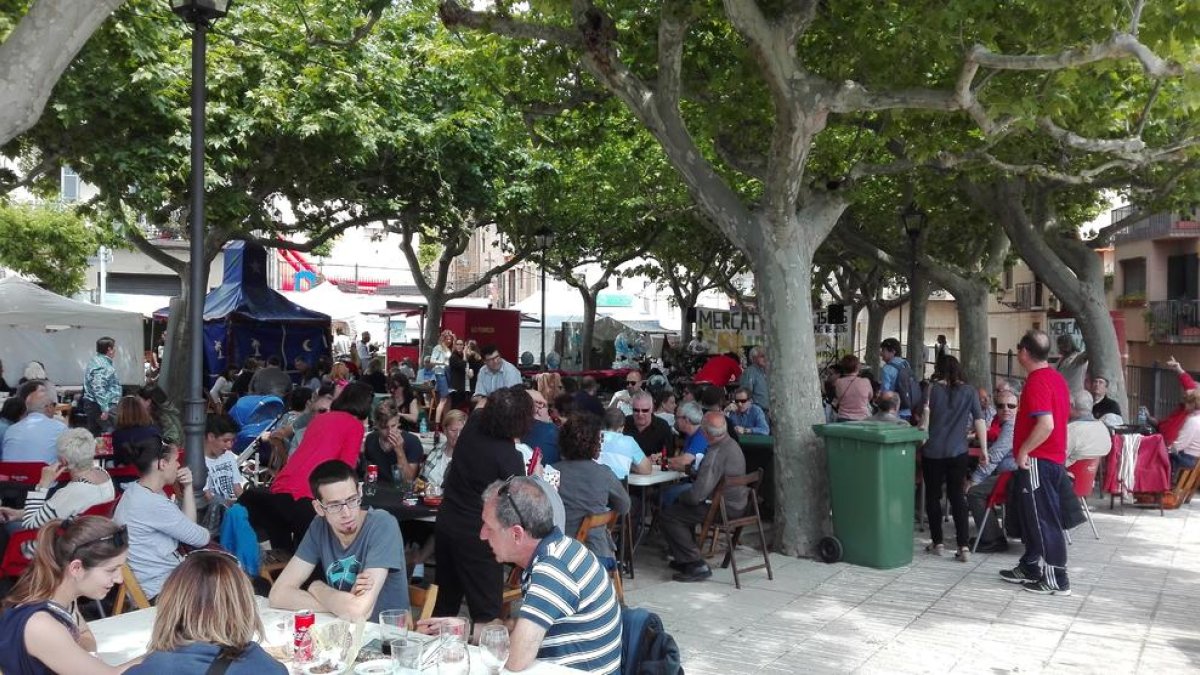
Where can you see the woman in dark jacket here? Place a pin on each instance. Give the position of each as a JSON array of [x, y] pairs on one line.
[[485, 452]]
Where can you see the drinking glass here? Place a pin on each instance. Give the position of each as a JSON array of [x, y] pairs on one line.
[[393, 624], [453, 659], [406, 657], [454, 628], [493, 647]]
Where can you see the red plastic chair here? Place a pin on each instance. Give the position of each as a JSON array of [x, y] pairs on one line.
[[14, 562], [997, 498], [25, 473], [1084, 474]]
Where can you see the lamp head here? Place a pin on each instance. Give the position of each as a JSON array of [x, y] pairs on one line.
[[200, 11], [914, 220], [544, 237]]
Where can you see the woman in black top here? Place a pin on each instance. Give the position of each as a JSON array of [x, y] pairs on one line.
[[485, 452], [456, 375]]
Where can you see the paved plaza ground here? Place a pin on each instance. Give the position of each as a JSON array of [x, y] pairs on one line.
[[1135, 608]]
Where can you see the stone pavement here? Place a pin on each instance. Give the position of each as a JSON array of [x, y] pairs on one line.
[[1135, 607]]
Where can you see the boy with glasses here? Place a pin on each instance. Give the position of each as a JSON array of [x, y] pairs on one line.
[[360, 554]]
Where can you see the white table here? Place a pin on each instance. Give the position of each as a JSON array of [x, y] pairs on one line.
[[121, 638], [656, 477]]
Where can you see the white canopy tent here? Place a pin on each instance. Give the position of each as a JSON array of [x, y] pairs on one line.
[[37, 325]]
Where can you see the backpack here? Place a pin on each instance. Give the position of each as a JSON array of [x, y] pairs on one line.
[[647, 649], [907, 387]]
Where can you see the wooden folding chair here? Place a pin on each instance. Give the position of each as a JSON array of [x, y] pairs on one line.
[[512, 591], [1185, 485], [607, 520], [131, 589], [422, 598], [271, 564], [732, 527]]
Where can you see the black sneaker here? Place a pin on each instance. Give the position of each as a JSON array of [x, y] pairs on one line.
[[1042, 588], [698, 572], [1017, 575], [678, 566]]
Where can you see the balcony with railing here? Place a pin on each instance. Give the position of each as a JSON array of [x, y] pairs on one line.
[[1155, 226], [1174, 321]]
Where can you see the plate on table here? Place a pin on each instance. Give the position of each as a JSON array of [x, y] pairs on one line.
[[375, 667]]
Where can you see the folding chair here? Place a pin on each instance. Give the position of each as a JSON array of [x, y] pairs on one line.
[[732, 527], [272, 563], [423, 598], [131, 589], [997, 498], [607, 520], [1084, 474]]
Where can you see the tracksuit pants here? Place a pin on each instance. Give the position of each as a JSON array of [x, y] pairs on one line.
[[1041, 522]]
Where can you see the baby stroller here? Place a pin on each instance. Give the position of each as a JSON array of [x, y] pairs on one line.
[[254, 415]]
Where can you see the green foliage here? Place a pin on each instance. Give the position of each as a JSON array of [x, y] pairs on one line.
[[49, 243]]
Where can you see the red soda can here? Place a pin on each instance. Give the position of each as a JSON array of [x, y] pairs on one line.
[[662, 459], [301, 641], [372, 473]]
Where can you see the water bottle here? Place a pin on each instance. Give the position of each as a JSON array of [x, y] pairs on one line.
[[424, 427], [1143, 416]]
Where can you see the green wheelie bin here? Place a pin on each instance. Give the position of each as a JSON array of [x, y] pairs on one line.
[[872, 468]]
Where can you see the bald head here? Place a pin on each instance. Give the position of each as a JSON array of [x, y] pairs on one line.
[[715, 427]]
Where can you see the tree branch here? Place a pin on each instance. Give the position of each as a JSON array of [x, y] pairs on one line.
[[357, 36], [153, 252], [455, 14]]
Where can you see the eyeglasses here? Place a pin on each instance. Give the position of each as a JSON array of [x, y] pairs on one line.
[[507, 494], [350, 504], [741, 400], [119, 539], [641, 410], [1010, 406]]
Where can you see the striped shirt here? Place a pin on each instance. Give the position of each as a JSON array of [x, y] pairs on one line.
[[568, 593]]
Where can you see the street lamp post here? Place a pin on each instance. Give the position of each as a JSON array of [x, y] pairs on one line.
[[544, 237], [913, 219], [200, 14]]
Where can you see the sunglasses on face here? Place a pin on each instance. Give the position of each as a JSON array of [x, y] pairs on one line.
[[641, 410], [741, 400]]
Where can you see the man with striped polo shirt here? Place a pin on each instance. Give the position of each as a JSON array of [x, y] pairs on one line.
[[1040, 450], [569, 613]]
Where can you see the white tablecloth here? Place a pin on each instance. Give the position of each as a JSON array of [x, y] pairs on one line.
[[656, 477], [121, 638]]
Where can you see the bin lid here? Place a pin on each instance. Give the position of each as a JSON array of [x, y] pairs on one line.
[[878, 432]]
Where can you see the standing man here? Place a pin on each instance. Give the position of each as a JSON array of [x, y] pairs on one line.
[[754, 378], [1101, 404], [497, 373], [364, 350], [895, 374], [101, 388], [341, 345], [1040, 439]]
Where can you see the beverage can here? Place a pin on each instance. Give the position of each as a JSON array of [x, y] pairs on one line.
[[372, 473], [301, 640]]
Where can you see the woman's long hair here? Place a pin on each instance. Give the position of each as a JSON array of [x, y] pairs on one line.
[[93, 540], [951, 371], [131, 412], [206, 599]]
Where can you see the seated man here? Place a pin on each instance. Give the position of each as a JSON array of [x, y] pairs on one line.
[[746, 416], [156, 525], [569, 612], [983, 480], [1086, 435], [624, 399], [887, 403], [688, 418], [619, 452], [724, 458], [360, 554], [34, 438], [1101, 404]]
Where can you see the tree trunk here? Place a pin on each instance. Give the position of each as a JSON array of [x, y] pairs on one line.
[[852, 329], [918, 302], [37, 52], [589, 326], [876, 315], [974, 347], [436, 305], [784, 277]]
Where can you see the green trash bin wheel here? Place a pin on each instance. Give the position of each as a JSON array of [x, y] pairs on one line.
[[829, 549]]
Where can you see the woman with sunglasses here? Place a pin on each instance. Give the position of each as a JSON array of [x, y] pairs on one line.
[[207, 616], [41, 629]]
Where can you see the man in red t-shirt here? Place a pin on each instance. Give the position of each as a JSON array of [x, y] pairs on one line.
[[719, 370], [1040, 450]]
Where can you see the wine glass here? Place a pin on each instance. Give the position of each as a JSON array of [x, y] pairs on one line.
[[453, 659], [493, 647]]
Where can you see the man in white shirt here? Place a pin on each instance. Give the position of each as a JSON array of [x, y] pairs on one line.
[[1086, 436], [34, 438]]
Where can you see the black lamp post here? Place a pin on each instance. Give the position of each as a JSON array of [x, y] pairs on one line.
[[201, 14], [913, 219], [544, 238]]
